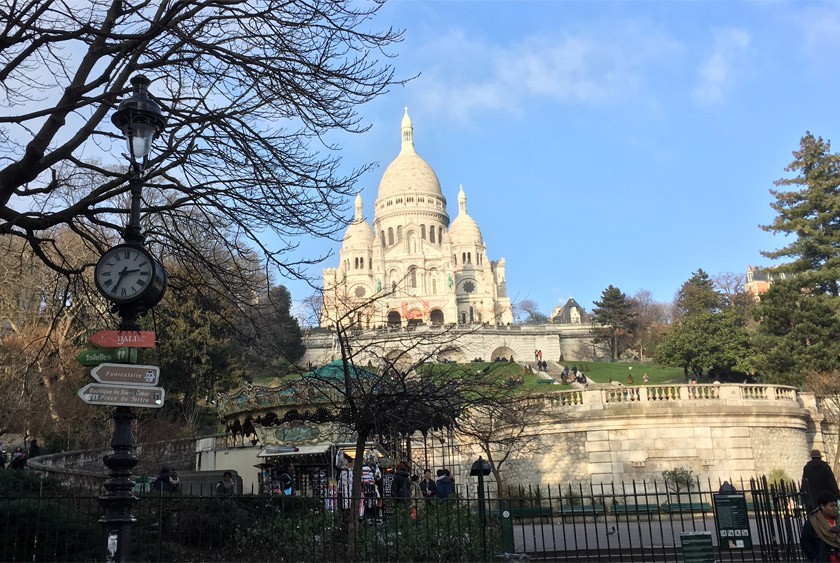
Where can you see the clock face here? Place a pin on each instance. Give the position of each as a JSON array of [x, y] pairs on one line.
[[126, 273]]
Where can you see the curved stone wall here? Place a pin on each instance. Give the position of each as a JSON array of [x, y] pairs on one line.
[[720, 432]]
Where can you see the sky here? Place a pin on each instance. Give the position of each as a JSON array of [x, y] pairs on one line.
[[605, 143]]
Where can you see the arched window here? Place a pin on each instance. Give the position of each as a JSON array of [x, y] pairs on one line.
[[432, 233], [463, 258], [399, 233], [455, 259], [469, 257], [361, 263], [412, 278], [423, 232], [356, 263], [382, 236], [390, 235], [440, 235]]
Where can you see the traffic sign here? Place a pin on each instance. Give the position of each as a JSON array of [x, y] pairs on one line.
[[124, 338], [96, 357], [122, 395], [126, 374]]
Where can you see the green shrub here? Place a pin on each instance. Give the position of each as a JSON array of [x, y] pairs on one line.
[[777, 475], [678, 479]]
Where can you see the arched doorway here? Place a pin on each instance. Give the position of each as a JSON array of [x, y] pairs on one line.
[[398, 360], [503, 353], [436, 317], [415, 317], [451, 355], [394, 319]]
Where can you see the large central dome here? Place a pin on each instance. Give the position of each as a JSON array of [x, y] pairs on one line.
[[408, 173]]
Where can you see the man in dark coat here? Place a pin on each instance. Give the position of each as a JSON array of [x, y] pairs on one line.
[[817, 477]]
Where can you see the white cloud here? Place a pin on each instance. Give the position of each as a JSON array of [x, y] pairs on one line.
[[717, 73], [467, 76]]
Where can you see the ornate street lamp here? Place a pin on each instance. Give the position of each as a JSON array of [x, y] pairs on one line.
[[134, 281], [141, 121]]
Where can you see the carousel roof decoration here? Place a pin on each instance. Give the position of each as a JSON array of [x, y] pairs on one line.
[[317, 389]]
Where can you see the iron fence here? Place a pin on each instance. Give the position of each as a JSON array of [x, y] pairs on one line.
[[634, 522]]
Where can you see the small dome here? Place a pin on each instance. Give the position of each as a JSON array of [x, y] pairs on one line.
[[359, 233], [464, 229], [409, 172]]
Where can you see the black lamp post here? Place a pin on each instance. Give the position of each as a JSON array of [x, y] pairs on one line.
[[141, 120], [481, 468]]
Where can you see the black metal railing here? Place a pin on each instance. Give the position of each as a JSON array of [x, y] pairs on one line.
[[634, 522]]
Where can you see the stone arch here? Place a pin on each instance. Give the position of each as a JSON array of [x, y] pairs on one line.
[[394, 319], [436, 317], [399, 359], [453, 354], [503, 352]]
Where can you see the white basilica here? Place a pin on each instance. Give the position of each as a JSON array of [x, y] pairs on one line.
[[413, 266]]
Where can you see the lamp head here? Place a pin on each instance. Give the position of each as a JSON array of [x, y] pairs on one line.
[[140, 119]]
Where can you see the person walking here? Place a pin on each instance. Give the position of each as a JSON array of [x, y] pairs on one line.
[[819, 539], [817, 477]]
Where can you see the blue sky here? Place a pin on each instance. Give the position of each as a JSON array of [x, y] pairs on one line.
[[598, 143]]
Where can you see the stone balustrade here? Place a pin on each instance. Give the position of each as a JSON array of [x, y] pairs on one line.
[[595, 398]]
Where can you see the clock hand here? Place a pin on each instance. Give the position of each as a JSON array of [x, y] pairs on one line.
[[122, 274]]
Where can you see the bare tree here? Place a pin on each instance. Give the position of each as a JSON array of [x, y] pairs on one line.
[[650, 322], [250, 89], [826, 386], [501, 430], [531, 310], [41, 320]]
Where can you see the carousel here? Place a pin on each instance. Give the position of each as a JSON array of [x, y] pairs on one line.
[[294, 426]]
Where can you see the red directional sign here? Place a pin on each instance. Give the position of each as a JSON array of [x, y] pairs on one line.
[[124, 338], [122, 395], [126, 374]]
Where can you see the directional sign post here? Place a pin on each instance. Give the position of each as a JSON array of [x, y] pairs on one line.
[[126, 374], [124, 338], [118, 355], [122, 395]]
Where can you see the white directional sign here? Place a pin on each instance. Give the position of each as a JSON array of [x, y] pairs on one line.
[[122, 395], [126, 374]]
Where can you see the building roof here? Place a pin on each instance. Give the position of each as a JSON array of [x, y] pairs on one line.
[[409, 172], [464, 229], [359, 232]]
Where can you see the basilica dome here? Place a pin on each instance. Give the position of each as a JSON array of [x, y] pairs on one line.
[[359, 233], [464, 229], [409, 172]]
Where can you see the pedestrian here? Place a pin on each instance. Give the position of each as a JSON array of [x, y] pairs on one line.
[[287, 480], [225, 487], [444, 484], [645, 378], [819, 534], [428, 488], [163, 482], [817, 477], [34, 449], [18, 459], [401, 489]]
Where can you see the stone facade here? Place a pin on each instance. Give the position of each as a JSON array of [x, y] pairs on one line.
[[469, 341], [412, 266]]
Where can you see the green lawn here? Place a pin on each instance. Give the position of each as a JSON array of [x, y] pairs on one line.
[[604, 372]]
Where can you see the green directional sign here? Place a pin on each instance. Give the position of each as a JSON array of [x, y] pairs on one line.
[[112, 355]]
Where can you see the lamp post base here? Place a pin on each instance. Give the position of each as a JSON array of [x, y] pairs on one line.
[[119, 498]]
